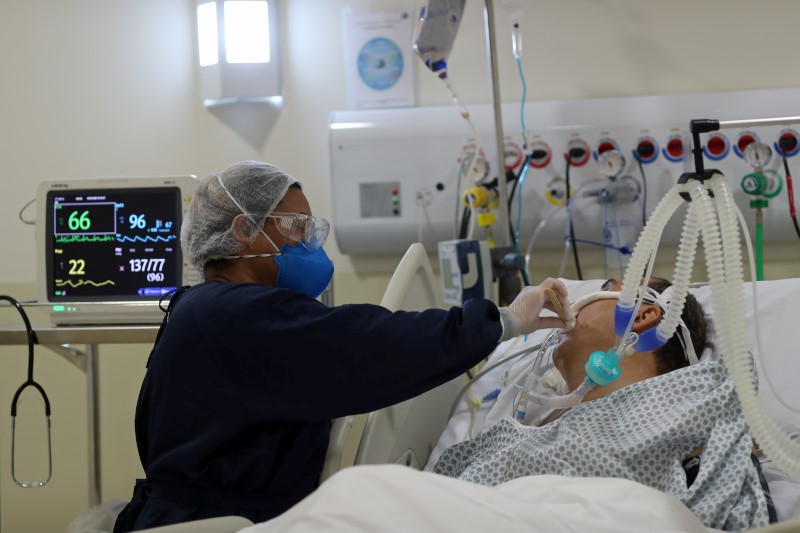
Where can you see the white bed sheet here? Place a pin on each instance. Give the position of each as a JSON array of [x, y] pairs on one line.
[[391, 498], [779, 317]]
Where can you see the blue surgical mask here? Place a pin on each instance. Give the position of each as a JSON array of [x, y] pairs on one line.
[[303, 270]]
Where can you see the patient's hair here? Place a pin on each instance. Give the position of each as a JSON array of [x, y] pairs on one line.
[[671, 356]]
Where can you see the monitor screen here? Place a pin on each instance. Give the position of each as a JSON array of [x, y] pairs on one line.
[[119, 244], [102, 242]]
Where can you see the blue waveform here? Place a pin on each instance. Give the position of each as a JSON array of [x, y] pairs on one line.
[[146, 238]]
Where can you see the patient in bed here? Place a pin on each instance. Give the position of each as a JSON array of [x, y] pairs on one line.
[[664, 423]]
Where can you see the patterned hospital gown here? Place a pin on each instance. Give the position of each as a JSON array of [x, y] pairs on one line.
[[642, 432]]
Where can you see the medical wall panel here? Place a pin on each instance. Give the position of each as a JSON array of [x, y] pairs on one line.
[[397, 173]]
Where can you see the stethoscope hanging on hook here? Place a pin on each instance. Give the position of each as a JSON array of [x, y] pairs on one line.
[[28, 383]]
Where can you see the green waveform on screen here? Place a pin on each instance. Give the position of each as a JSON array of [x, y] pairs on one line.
[[80, 282], [85, 238]]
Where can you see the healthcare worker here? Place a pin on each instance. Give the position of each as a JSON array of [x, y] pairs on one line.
[[248, 368]]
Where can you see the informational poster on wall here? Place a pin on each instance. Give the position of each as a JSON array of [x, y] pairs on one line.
[[378, 59]]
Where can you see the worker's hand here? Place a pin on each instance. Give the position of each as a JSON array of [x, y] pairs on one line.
[[522, 316]]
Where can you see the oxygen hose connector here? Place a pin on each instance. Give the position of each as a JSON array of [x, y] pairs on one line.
[[602, 368]]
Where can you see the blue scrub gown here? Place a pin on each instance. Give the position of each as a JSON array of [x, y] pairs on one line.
[[234, 413]]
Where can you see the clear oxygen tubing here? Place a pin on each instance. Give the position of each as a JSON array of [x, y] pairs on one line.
[[475, 403], [756, 321], [727, 296], [473, 216], [471, 172], [550, 401], [424, 219], [485, 370], [536, 233], [557, 402]]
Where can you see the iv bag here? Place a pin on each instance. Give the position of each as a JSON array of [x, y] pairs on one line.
[[436, 30]]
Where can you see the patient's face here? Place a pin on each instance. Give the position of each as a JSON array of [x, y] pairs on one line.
[[594, 330]]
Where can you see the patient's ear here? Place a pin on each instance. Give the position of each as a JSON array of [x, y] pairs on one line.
[[241, 227], [648, 317]]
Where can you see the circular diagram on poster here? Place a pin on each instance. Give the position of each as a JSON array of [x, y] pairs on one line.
[[380, 63]]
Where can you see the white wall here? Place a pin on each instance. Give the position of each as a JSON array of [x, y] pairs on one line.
[[105, 87]]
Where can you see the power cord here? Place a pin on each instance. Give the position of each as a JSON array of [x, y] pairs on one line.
[[786, 145], [644, 150], [574, 153]]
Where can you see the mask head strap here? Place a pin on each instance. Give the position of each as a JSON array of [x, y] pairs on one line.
[[661, 300], [583, 301]]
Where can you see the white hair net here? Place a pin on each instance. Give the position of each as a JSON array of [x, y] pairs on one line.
[[206, 231]]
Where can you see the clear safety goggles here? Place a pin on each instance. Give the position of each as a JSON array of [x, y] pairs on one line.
[[309, 231]]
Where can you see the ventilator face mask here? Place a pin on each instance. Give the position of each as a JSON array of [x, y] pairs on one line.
[[600, 371], [304, 267]]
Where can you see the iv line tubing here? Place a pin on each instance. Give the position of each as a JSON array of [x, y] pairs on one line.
[[486, 370]]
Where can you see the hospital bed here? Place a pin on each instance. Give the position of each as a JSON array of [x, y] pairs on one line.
[[410, 433]]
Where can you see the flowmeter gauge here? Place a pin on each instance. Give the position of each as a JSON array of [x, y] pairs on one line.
[[767, 184], [757, 154], [611, 163]]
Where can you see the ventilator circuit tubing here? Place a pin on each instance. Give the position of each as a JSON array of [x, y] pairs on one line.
[[727, 296], [642, 252], [724, 262]]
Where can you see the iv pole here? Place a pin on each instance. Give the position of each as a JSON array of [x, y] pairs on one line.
[[503, 239], [505, 262]]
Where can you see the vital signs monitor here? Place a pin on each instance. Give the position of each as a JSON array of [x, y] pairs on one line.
[[109, 249]]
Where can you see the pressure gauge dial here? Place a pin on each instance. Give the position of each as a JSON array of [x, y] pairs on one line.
[[757, 154], [479, 170], [611, 163]]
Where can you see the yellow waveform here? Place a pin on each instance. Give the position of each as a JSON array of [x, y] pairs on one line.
[[74, 285]]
